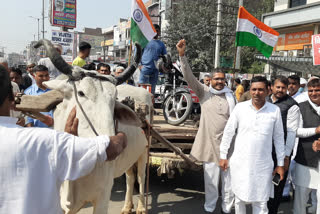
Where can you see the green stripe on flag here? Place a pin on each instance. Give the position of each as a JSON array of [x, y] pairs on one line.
[[137, 35], [251, 40]]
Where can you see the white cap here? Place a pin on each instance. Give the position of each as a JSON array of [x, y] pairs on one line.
[[303, 81]]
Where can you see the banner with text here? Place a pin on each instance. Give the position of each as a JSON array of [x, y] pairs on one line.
[[316, 49], [64, 13], [293, 41], [66, 40]]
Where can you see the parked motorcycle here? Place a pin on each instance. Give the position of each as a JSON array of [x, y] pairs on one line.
[[177, 101]]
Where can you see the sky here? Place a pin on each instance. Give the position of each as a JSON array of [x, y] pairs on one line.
[[18, 29]]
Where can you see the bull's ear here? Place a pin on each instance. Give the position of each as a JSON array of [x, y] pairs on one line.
[[125, 115]]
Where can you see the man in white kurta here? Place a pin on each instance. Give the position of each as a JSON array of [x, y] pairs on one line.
[[307, 169], [257, 123]]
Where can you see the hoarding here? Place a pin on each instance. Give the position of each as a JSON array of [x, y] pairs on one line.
[[316, 49], [66, 40], [64, 13], [293, 41]]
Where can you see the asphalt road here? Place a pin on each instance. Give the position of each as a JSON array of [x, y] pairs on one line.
[[181, 195]]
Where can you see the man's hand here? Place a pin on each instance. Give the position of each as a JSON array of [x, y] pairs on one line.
[[316, 145], [224, 164], [72, 123], [318, 130], [48, 121], [280, 171], [181, 47], [21, 121], [286, 163], [117, 144]]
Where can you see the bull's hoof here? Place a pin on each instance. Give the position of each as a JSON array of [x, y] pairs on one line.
[[127, 209], [141, 211]]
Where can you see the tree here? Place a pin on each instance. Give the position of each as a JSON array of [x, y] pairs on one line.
[[196, 21]]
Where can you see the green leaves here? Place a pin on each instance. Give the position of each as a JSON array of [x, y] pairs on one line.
[[195, 21]]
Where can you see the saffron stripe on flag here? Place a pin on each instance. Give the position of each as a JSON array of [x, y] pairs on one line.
[[145, 12], [244, 14]]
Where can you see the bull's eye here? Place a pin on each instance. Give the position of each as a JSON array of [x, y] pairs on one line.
[[81, 94]]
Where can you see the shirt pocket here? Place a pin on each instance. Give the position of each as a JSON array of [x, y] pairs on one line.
[[265, 125]]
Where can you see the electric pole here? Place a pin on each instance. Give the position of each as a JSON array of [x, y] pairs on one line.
[[218, 36], [238, 59]]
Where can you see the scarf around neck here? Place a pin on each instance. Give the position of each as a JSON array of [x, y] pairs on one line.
[[229, 96]]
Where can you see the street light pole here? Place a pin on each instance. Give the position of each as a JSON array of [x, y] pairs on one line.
[[42, 19], [38, 19]]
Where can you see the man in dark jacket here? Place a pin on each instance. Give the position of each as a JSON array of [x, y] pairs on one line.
[[290, 120], [307, 171]]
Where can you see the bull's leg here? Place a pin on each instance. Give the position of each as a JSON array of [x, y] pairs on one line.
[[128, 204], [68, 202], [101, 203], [141, 209]]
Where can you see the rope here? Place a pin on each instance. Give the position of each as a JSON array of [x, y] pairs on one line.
[[148, 134], [83, 112]]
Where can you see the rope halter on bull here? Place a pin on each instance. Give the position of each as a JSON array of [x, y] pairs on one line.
[[67, 69]]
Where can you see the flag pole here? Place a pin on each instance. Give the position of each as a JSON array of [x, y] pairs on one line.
[[234, 67], [130, 52], [237, 55]]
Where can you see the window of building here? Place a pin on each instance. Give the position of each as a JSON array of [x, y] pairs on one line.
[[296, 3]]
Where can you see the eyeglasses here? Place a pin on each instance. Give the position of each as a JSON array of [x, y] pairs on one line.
[[104, 70], [219, 79]]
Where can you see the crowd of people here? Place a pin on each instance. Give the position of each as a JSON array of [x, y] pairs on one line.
[[272, 131], [246, 138]]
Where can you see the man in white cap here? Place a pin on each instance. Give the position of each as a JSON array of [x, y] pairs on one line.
[[303, 84], [303, 90]]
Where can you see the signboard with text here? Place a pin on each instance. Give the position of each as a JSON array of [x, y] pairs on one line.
[[316, 49], [64, 13], [66, 40], [293, 41]]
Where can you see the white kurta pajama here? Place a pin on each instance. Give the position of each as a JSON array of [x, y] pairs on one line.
[[251, 164], [216, 107], [306, 179]]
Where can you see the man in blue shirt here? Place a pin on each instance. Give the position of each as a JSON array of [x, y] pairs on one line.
[[41, 74], [151, 53]]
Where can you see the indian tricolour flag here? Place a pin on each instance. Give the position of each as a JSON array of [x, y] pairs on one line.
[[142, 30], [253, 33]]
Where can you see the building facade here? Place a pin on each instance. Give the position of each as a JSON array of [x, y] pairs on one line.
[[296, 21]]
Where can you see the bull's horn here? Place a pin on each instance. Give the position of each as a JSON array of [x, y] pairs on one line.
[[126, 74], [55, 57]]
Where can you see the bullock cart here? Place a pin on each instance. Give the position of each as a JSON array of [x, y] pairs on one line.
[[170, 146], [172, 156]]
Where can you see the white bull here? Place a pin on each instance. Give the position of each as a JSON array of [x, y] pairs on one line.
[[98, 100]]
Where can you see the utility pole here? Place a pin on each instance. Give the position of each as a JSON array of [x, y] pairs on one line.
[[42, 19], [38, 19], [238, 59], [218, 36], [104, 47]]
